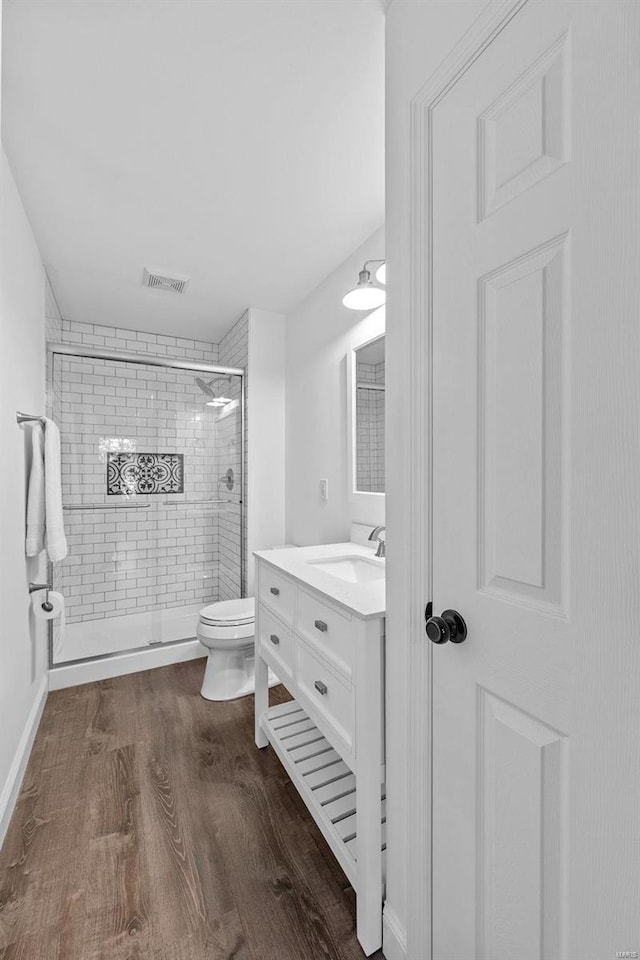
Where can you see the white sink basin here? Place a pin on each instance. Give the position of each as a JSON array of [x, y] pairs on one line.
[[352, 569]]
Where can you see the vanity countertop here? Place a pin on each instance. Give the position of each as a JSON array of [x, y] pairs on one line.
[[364, 600]]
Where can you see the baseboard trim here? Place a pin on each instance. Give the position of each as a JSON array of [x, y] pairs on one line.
[[394, 936], [15, 777], [121, 663]]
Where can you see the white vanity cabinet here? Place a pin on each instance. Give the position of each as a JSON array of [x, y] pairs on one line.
[[330, 737]]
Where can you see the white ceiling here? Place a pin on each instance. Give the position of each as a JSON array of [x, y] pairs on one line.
[[239, 142]]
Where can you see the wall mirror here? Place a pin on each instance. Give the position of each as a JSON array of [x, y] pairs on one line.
[[369, 397], [366, 395]]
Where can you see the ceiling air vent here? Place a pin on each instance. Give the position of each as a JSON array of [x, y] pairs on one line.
[[161, 281]]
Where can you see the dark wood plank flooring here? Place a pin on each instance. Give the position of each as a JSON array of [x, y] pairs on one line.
[[150, 827]]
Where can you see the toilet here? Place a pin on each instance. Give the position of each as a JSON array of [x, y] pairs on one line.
[[227, 630]]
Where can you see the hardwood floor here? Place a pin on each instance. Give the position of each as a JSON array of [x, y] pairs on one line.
[[150, 827]]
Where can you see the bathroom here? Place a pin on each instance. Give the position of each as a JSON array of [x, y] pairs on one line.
[[302, 370]]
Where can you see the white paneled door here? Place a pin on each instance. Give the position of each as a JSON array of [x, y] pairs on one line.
[[536, 490]]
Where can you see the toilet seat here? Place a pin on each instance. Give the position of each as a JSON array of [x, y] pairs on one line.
[[229, 613]]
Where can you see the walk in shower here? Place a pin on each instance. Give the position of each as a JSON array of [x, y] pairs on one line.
[[152, 481]]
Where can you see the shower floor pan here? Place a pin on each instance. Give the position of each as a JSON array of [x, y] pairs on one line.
[[98, 638]]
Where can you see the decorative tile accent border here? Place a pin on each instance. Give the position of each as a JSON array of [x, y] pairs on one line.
[[146, 473]]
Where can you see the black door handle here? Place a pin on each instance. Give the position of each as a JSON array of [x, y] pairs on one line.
[[450, 626]]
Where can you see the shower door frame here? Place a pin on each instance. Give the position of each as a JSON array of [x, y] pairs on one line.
[[95, 353]]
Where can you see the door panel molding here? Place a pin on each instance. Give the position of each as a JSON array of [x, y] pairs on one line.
[[513, 153], [523, 315], [490, 23], [522, 801]]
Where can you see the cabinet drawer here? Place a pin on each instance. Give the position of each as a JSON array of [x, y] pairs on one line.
[[275, 643], [327, 631], [329, 697], [276, 592]]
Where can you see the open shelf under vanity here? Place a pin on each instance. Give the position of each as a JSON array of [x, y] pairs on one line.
[[323, 780]]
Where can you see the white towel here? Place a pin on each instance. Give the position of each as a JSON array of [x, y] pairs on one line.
[[55, 539], [35, 494]]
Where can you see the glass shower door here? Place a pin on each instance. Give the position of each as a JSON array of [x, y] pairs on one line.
[[152, 483]]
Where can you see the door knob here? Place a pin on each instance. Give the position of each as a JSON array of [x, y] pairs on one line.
[[450, 626]]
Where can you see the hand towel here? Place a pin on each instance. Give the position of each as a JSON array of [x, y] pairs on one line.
[[55, 539], [35, 494]]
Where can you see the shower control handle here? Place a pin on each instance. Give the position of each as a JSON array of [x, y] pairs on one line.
[[321, 687], [274, 639], [321, 626], [275, 591], [450, 626]]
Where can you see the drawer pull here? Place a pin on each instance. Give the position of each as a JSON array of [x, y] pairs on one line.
[[321, 626], [321, 687], [275, 591], [274, 639]]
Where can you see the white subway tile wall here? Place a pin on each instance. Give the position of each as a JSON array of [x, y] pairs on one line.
[[370, 429], [172, 552]]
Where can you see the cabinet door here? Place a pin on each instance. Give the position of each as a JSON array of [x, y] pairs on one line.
[[329, 698], [326, 630], [275, 643], [277, 592]]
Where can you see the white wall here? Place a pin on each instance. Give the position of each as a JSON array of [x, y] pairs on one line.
[[320, 331], [418, 37], [266, 435], [23, 659]]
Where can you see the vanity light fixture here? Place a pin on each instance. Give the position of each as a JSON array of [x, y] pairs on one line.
[[366, 295]]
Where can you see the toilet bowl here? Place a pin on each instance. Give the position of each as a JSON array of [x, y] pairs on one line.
[[227, 630]]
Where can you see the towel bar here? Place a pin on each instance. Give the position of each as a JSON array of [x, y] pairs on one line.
[[189, 503], [106, 506], [27, 417]]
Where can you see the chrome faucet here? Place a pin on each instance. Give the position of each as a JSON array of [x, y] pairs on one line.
[[375, 535]]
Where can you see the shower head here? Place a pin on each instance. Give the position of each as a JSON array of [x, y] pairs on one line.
[[206, 387], [214, 400]]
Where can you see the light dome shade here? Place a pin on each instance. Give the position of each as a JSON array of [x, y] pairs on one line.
[[381, 273], [364, 298], [365, 295]]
